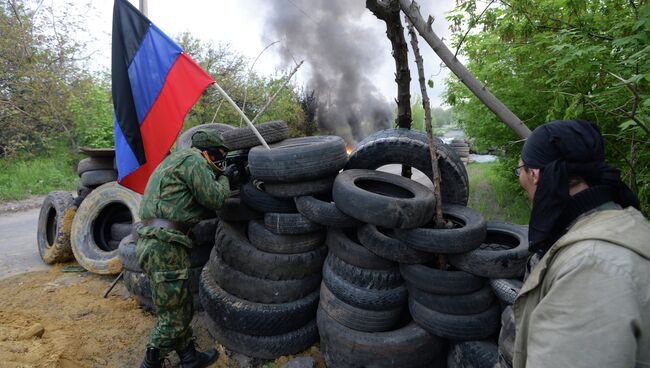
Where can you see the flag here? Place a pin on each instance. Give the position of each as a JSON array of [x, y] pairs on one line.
[[155, 84]]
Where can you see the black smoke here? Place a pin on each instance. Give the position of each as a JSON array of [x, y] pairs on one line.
[[341, 54]]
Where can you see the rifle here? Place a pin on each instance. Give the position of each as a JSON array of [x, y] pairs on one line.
[[240, 160]]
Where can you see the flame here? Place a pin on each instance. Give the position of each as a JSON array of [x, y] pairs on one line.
[[348, 149]]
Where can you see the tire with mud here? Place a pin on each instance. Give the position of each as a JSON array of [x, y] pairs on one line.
[[383, 199], [91, 227], [406, 346], [267, 241], [54, 226], [252, 318], [408, 147], [298, 159], [242, 138]]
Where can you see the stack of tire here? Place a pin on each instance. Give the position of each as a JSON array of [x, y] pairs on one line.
[[260, 288], [363, 317], [59, 208], [137, 282], [96, 169], [461, 146]]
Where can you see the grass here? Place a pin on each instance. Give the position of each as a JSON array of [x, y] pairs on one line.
[[495, 195], [21, 178]]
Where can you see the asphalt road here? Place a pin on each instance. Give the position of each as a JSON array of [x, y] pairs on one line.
[[18, 249]]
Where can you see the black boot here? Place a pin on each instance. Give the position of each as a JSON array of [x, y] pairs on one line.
[[152, 359], [190, 358]]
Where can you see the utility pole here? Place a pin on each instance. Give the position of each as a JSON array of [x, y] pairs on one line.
[[144, 8]]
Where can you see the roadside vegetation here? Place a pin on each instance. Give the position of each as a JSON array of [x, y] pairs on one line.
[[497, 195], [552, 60]]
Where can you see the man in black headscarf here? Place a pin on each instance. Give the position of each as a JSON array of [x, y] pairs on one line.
[[586, 299]]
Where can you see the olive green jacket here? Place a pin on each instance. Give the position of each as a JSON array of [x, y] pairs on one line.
[[587, 302], [183, 188]]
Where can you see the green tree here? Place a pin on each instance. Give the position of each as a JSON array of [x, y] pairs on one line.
[[38, 71], [560, 59]]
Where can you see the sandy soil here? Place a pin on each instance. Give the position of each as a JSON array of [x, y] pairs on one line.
[[58, 319]]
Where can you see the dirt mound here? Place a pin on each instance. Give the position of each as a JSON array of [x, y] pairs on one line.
[[77, 327]]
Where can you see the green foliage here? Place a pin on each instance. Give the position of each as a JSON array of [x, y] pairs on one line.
[[439, 116], [495, 196], [92, 113], [21, 177], [38, 69], [560, 59], [233, 73]]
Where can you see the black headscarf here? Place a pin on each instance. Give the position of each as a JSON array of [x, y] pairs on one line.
[[562, 149]]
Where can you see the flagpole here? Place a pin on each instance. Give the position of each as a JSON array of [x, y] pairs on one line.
[[144, 7], [234, 105]]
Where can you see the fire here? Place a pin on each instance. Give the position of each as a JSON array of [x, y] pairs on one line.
[[348, 149]]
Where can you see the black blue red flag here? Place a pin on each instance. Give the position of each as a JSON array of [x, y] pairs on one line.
[[155, 84]]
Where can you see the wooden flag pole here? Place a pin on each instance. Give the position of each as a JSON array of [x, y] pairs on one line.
[[241, 113]]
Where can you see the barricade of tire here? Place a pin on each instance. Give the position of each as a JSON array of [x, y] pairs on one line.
[[96, 169], [260, 288]]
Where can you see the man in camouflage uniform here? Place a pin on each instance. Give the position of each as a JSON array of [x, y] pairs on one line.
[[184, 189]]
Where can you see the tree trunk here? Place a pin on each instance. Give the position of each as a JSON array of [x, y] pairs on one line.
[[389, 12], [412, 11]]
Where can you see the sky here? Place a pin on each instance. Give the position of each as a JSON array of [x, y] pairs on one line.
[[242, 24]]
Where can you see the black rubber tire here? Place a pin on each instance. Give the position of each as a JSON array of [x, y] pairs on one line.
[[264, 202], [363, 277], [473, 354], [289, 223], [240, 254], [184, 140], [137, 283], [456, 327], [506, 290], [203, 233], [344, 244], [302, 188], [120, 230], [241, 138], [252, 318], [502, 255], [356, 318], [298, 159], [406, 347], [468, 235], [199, 256], [383, 199], [441, 282], [472, 303], [371, 299], [54, 226], [409, 147], [234, 209], [265, 347], [381, 241], [97, 177], [104, 206], [267, 241], [95, 163], [256, 289], [324, 211]]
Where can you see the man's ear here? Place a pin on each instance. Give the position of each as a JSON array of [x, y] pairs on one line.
[[535, 173]]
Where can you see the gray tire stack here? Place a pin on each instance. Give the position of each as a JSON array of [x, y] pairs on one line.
[[461, 146], [96, 169], [260, 287]]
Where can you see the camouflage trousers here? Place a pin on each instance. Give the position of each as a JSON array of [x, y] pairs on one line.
[[167, 267]]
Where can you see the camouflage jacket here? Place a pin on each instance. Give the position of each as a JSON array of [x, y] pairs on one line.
[[183, 188]]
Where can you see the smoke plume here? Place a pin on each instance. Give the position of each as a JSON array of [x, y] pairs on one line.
[[340, 53]]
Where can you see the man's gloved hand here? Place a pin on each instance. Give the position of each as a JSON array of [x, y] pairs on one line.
[[232, 173]]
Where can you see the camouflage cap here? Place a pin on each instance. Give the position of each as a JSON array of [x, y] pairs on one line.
[[208, 138]]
